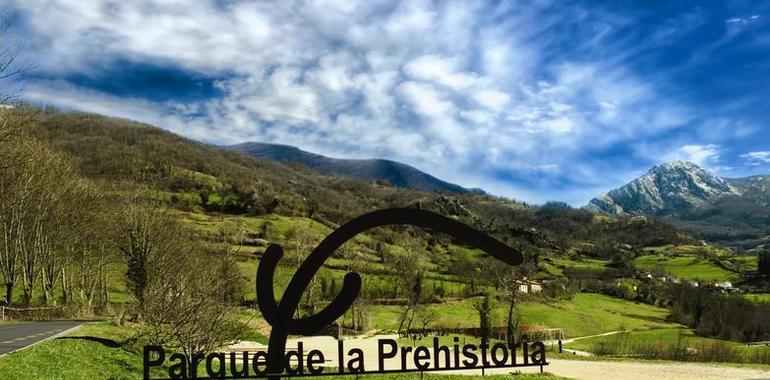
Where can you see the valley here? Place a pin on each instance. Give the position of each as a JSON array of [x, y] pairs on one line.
[[585, 273]]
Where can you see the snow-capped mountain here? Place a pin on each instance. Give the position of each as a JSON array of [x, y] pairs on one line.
[[665, 190], [755, 188], [730, 211]]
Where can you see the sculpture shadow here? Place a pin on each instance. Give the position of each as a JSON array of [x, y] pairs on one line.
[[103, 341]]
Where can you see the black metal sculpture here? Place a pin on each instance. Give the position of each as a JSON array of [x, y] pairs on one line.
[[280, 315]]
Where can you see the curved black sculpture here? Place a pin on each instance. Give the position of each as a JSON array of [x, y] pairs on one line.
[[281, 315]]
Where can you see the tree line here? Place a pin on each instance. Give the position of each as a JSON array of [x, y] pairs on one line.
[[62, 235], [717, 315]]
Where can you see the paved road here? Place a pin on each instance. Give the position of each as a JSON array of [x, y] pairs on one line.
[[14, 336]]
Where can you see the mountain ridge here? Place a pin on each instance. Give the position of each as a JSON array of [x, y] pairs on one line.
[[374, 169], [732, 211], [665, 189]]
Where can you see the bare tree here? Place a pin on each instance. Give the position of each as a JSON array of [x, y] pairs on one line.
[[354, 262], [229, 242], [427, 316], [23, 179], [303, 238], [410, 269], [10, 123], [509, 280], [85, 252], [183, 308], [54, 180]]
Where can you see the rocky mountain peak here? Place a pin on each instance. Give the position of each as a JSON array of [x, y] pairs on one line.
[[664, 189]]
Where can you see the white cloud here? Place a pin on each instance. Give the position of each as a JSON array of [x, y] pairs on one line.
[[426, 100], [492, 99], [440, 70], [458, 89], [702, 155], [757, 158], [743, 20]]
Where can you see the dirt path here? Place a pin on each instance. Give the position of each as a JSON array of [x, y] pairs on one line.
[[578, 352], [574, 369], [570, 340]]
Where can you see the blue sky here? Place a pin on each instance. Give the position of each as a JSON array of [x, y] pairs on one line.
[[542, 100]]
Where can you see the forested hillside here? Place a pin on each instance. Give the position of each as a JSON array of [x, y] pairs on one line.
[[193, 176]]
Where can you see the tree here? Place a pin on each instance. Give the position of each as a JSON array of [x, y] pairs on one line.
[[146, 235], [484, 308], [229, 241], [34, 179], [184, 308], [511, 280], [427, 316], [15, 193], [303, 239], [353, 262], [409, 269], [45, 209], [86, 253], [763, 263], [51, 211]]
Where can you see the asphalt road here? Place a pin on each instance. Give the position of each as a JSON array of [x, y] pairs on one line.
[[14, 336]]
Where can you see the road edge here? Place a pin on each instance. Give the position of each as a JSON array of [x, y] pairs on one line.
[[61, 333]]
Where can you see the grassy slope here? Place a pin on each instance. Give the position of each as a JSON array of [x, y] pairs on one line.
[[588, 314], [685, 267], [77, 358], [585, 314], [654, 335], [660, 337]]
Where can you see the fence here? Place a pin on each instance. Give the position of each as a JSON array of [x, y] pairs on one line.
[[32, 313], [530, 333]]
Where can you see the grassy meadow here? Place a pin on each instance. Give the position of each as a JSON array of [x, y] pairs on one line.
[[758, 297], [673, 343], [685, 267]]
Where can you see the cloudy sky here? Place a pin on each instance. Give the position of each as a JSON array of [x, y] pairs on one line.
[[532, 100]]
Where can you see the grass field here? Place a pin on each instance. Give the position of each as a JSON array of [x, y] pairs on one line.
[[758, 297], [686, 250], [668, 335], [76, 357], [590, 264], [750, 262], [589, 314], [585, 314], [661, 340], [685, 267]]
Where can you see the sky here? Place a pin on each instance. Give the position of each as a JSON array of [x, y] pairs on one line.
[[536, 101]]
